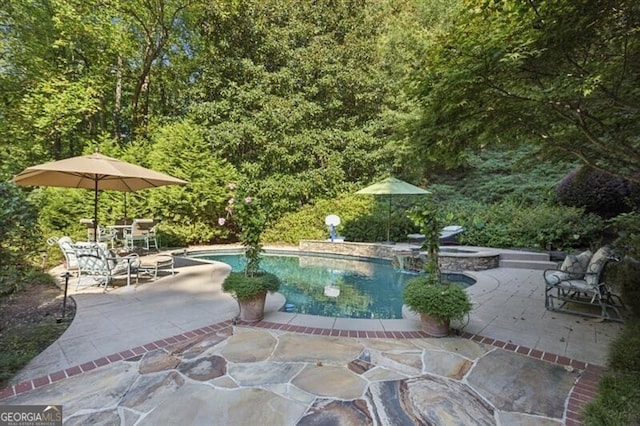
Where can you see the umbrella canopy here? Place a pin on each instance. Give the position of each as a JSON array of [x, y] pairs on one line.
[[392, 186], [97, 172]]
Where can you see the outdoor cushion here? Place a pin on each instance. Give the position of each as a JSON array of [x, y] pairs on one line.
[[574, 267], [553, 276], [596, 264], [576, 264]]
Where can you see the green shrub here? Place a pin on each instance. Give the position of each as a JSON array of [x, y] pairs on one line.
[[496, 174], [618, 397], [20, 237], [624, 352], [511, 224], [623, 278], [246, 287], [598, 192], [425, 295], [308, 222], [617, 402]]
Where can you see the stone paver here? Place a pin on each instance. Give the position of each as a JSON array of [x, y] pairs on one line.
[[365, 381]]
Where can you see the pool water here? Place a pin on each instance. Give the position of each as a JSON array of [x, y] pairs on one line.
[[335, 287]]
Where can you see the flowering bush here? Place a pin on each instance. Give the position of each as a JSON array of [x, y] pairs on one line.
[[250, 219]]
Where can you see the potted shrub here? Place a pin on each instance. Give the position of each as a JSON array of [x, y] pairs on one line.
[[249, 287], [437, 303], [251, 292]]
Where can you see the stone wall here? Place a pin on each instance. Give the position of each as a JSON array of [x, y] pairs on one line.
[[347, 248], [409, 259], [469, 263]]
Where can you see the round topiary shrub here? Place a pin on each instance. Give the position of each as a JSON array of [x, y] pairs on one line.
[[597, 192]]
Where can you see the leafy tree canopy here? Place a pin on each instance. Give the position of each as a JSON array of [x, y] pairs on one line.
[[563, 75]]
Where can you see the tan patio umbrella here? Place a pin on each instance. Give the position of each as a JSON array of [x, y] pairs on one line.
[[97, 172], [392, 186]]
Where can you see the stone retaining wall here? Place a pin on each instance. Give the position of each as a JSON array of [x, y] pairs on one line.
[[347, 248], [407, 258]]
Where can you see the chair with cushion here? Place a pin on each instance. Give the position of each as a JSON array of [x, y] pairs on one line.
[[65, 245], [448, 235], [105, 235], [579, 282], [141, 231], [95, 261]]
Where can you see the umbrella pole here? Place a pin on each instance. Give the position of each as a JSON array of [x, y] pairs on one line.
[[95, 212], [389, 220]]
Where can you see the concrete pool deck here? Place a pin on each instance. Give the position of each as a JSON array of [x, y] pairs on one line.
[[167, 350]]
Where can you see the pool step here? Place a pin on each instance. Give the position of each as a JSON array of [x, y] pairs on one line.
[[526, 260]]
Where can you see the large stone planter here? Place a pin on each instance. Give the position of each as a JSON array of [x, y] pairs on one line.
[[435, 326], [252, 310]]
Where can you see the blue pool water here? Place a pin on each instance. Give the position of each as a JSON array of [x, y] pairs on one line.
[[335, 287]]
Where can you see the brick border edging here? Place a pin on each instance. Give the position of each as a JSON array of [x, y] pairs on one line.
[[581, 394], [38, 382]]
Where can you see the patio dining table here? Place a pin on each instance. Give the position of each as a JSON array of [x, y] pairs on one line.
[[118, 230]]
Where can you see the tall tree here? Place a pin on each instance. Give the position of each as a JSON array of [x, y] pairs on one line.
[[561, 74], [158, 33], [294, 93]]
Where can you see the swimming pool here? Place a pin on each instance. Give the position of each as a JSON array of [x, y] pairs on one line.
[[335, 286]]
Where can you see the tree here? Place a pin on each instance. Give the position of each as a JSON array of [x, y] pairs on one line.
[[560, 74], [294, 94]]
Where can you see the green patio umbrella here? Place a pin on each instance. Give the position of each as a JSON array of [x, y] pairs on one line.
[[392, 186]]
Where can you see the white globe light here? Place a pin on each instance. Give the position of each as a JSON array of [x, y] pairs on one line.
[[332, 220]]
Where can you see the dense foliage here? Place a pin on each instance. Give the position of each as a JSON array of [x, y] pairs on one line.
[[301, 96], [517, 225], [248, 216], [314, 100], [19, 236], [310, 99], [623, 275], [562, 75], [618, 398]]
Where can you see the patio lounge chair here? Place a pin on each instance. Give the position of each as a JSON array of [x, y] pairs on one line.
[[141, 230], [102, 265], [70, 260], [448, 235], [579, 282]]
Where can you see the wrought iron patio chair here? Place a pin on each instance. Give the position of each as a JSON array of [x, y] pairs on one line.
[[102, 265], [568, 288]]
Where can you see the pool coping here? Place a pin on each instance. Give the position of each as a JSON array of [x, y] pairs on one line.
[[294, 251]]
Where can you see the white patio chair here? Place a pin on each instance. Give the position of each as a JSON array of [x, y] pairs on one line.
[[141, 231], [65, 245], [100, 265], [105, 235]]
